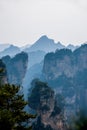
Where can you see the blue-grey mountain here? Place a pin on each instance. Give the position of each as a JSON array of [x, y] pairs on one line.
[[66, 72], [11, 51], [16, 67], [45, 44], [3, 46]]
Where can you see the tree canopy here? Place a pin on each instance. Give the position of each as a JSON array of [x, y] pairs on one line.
[[12, 114]]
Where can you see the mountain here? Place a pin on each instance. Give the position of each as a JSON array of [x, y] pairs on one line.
[[66, 72], [35, 65], [72, 47], [16, 67], [50, 113], [33, 72], [25, 47], [3, 46], [45, 44], [11, 51], [65, 62]]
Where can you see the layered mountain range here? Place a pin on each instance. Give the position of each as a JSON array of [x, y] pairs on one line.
[[36, 53], [44, 44], [11, 51], [66, 72], [64, 69]]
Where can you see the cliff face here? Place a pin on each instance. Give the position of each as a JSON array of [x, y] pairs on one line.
[[80, 56], [42, 99], [65, 62], [66, 72], [3, 73], [58, 63], [16, 67]]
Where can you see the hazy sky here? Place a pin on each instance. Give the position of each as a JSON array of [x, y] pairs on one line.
[[24, 21]]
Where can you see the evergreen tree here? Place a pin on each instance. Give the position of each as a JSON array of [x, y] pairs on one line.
[[12, 114], [81, 122]]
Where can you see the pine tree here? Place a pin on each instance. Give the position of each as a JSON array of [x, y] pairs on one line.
[[12, 114]]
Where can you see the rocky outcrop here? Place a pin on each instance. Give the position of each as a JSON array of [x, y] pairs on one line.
[[58, 63], [42, 99], [66, 72], [65, 62], [16, 67]]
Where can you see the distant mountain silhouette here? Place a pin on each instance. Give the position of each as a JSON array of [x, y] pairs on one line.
[[72, 47], [3, 46], [44, 44], [11, 51], [25, 47]]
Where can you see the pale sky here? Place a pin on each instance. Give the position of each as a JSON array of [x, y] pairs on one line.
[[24, 21]]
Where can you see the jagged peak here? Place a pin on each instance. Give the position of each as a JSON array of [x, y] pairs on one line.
[[44, 38], [59, 43], [70, 45]]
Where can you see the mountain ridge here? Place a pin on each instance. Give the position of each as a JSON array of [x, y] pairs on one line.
[[45, 44], [11, 51], [3, 46]]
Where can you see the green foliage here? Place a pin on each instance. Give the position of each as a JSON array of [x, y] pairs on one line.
[[12, 114], [40, 92], [80, 122], [82, 125], [2, 68]]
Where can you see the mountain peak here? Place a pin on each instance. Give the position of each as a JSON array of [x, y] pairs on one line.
[[44, 44], [71, 47], [11, 51], [44, 38]]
